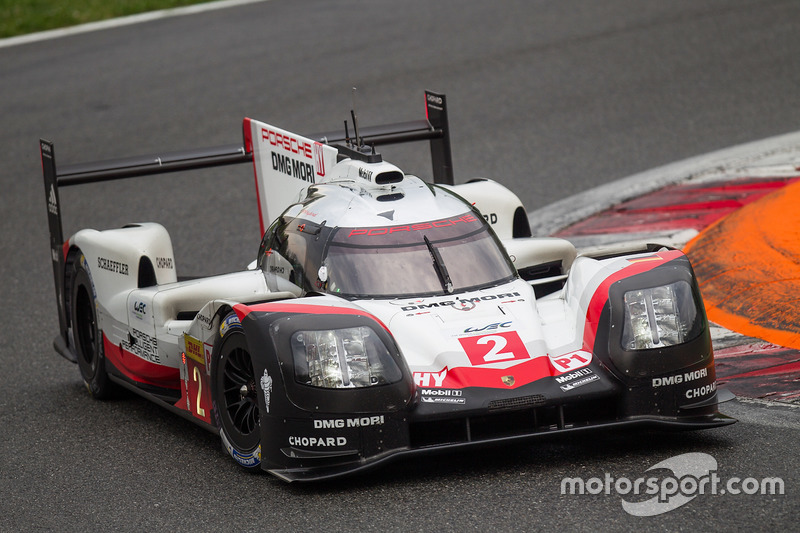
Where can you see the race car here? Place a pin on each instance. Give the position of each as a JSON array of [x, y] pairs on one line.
[[383, 316]]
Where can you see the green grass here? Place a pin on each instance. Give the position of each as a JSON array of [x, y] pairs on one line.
[[18, 17]]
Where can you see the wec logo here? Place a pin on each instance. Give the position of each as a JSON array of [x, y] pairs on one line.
[[489, 327]]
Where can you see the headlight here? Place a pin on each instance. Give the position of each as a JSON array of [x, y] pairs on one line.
[[658, 316], [342, 358]]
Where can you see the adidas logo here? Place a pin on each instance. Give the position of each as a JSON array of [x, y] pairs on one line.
[[52, 204]]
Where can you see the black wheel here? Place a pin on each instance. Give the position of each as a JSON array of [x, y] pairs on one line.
[[87, 337], [235, 396]]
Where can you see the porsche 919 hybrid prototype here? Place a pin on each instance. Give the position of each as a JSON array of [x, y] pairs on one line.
[[383, 315]]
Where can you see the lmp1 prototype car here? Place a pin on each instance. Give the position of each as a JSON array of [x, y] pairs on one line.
[[383, 315]]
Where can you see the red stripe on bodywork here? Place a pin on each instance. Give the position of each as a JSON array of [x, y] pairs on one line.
[[475, 376], [141, 370], [600, 296], [247, 129]]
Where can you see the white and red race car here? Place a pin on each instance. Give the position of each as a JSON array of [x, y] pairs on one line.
[[383, 316]]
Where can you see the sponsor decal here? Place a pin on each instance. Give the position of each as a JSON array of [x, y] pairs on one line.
[[491, 218], [245, 459], [680, 378], [110, 265], [462, 304], [52, 203], [165, 263], [579, 383], [571, 361], [442, 392], [292, 167], [374, 232], [444, 399], [266, 386], [287, 143], [338, 423], [494, 348], [142, 345], [231, 321], [363, 173], [194, 349], [434, 101], [574, 375], [488, 327], [318, 442], [139, 309], [205, 320], [430, 379], [701, 391]]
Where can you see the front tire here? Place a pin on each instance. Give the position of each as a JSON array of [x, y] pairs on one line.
[[86, 334], [235, 396]]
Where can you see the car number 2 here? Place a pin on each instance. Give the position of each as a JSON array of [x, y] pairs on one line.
[[197, 378], [494, 348], [196, 392]]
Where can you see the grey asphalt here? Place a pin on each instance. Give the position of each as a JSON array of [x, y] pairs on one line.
[[550, 98]]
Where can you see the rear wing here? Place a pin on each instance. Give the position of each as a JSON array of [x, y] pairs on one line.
[[434, 128]]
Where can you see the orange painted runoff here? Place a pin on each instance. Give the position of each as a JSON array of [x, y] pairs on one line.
[[748, 266]]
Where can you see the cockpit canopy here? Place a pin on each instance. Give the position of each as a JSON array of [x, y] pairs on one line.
[[319, 245]]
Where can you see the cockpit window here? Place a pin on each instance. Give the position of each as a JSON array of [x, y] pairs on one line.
[[423, 259], [396, 261]]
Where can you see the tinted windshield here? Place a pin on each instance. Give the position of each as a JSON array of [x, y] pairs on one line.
[[396, 260]]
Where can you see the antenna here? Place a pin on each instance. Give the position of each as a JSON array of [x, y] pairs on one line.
[[354, 116]]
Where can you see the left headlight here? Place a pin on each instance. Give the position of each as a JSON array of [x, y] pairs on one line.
[[342, 358], [658, 316]]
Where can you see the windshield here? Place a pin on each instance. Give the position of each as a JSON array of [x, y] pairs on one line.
[[436, 257]]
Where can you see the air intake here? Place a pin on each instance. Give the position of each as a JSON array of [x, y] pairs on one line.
[[386, 178]]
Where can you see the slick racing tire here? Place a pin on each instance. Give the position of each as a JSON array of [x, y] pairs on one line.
[[235, 397], [88, 338]]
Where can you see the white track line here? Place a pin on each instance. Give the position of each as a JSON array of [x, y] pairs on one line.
[[123, 21]]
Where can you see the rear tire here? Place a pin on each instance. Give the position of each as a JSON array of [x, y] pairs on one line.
[[235, 396], [88, 338]]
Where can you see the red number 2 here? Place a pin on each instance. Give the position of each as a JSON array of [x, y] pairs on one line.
[[497, 347]]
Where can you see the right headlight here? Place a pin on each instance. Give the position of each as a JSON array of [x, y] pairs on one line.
[[342, 358], [658, 316]]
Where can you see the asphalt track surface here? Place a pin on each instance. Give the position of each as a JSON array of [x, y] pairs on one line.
[[550, 98]]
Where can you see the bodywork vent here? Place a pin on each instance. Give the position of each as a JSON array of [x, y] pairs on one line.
[[512, 403]]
